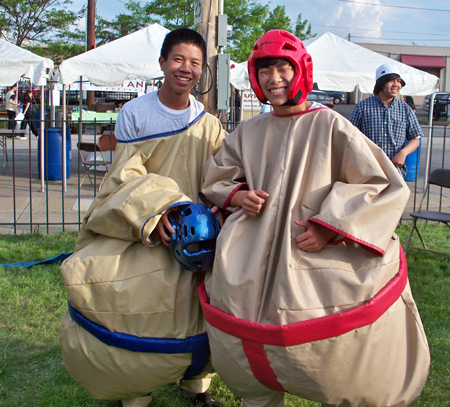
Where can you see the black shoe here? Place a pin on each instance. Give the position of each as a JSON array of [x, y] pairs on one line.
[[202, 399]]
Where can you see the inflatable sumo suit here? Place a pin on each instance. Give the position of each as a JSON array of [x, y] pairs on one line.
[[134, 321], [338, 326]]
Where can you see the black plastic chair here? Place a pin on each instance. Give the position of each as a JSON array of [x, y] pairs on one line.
[[441, 178]]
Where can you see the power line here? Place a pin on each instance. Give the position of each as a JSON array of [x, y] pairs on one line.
[[389, 5], [366, 29], [399, 39]]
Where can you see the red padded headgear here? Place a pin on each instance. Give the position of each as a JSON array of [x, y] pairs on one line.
[[282, 44]]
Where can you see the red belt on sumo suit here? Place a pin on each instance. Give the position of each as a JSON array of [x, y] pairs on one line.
[[254, 335]]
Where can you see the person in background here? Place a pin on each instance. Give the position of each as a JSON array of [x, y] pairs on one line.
[[118, 106], [28, 112], [410, 102], [237, 106], [11, 106], [266, 108], [388, 121]]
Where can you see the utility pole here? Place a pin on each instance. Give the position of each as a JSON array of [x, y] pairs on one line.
[[207, 29], [90, 43]]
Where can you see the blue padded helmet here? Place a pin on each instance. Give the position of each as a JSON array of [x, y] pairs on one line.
[[194, 241]]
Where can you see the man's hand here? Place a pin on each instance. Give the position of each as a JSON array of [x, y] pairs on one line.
[[164, 226], [314, 238], [399, 159], [219, 213], [251, 202]]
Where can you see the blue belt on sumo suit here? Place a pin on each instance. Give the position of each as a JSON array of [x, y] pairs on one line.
[[197, 345]]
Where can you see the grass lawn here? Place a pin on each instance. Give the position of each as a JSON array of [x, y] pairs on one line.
[[442, 121], [32, 302]]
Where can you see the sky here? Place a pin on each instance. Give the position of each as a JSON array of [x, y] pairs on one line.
[[405, 22]]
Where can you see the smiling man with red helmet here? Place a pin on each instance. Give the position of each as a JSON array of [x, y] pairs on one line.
[[309, 292], [287, 50]]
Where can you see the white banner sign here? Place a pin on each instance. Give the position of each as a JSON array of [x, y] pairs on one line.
[[129, 85], [250, 101]]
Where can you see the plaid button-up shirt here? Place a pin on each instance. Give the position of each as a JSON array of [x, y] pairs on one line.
[[387, 126]]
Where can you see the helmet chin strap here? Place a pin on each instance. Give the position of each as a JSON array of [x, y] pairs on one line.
[[294, 101]]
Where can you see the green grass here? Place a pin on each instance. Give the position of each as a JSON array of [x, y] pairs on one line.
[[429, 276], [32, 302], [425, 120]]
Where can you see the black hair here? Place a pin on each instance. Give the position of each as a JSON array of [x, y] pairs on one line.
[[266, 62], [409, 100], [379, 84], [183, 36]]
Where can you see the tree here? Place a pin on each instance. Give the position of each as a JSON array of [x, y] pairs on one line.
[[169, 13], [249, 19], [303, 28], [172, 13], [245, 16], [278, 20], [57, 51], [123, 24], [33, 20]]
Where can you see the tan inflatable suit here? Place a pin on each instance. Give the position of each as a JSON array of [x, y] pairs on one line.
[[338, 326], [134, 321]]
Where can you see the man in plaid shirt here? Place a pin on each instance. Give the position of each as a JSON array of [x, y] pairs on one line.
[[387, 121]]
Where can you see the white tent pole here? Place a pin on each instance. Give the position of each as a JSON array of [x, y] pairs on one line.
[[80, 120], [41, 138], [64, 141]]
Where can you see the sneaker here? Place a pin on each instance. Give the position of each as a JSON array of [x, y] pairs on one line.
[[201, 399]]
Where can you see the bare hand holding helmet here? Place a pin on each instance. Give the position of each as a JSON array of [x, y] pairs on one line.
[[194, 239]]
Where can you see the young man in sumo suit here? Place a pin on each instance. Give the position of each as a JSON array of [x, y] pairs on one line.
[[309, 292], [134, 321]]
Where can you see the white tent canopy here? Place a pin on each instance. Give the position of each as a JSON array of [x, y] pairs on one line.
[[239, 75], [342, 65], [134, 56], [17, 63]]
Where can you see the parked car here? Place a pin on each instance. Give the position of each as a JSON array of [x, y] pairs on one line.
[[320, 97], [441, 102], [338, 97]]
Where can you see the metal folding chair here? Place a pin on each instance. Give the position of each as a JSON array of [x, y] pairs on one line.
[[441, 178], [93, 159]]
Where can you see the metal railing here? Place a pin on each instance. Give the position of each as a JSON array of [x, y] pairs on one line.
[[31, 201], [26, 206]]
